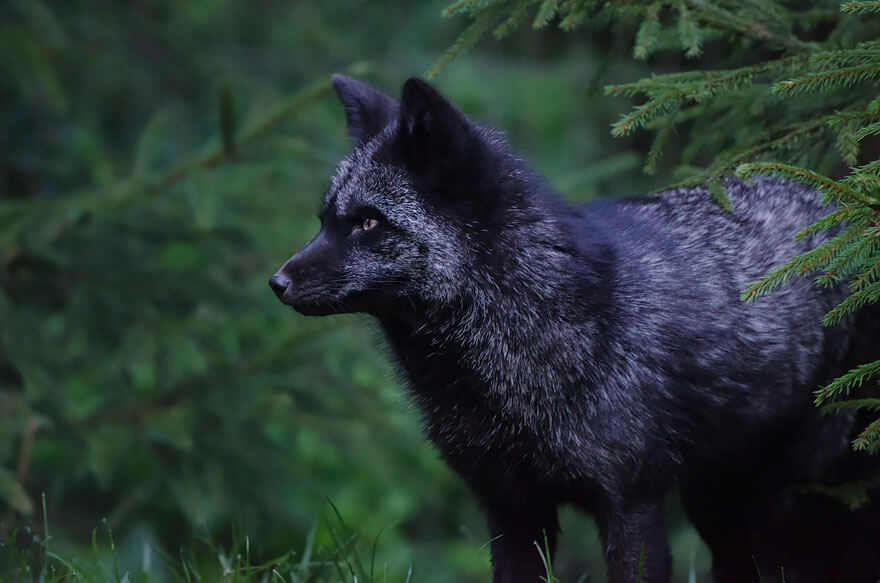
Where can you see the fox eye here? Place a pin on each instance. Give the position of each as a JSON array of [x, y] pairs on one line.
[[367, 223]]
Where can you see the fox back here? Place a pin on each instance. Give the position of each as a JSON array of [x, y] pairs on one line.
[[596, 355]]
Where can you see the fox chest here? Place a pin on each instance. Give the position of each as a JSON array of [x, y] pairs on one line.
[[490, 440], [487, 434]]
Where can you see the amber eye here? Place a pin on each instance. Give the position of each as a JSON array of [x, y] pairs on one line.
[[368, 223]]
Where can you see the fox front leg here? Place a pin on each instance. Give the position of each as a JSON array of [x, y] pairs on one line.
[[517, 533], [636, 548]]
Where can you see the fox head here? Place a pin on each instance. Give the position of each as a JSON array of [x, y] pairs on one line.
[[407, 212]]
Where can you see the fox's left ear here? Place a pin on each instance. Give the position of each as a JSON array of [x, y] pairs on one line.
[[367, 111], [442, 148], [431, 129]]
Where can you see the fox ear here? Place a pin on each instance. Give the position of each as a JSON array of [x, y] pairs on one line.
[[444, 151], [367, 111], [431, 130]]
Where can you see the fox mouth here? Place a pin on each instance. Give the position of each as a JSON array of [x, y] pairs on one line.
[[314, 302], [309, 300], [315, 309]]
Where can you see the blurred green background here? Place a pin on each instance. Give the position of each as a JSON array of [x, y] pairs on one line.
[[150, 382]]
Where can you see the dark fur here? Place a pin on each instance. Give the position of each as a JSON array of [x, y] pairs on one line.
[[598, 355]]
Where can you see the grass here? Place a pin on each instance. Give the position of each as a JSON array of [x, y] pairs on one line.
[[28, 556]]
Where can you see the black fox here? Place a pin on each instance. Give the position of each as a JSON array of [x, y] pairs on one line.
[[596, 355]]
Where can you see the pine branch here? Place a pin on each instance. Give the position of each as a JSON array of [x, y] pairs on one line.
[[644, 113], [838, 217], [718, 17], [833, 190], [839, 118], [869, 439], [718, 194], [853, 379], [256, 130], [483, 21], [854, 494], [847, 143], [870, 274], [848, 261], [868, 294], [862, 7], [802, 264], [72, 207], [826, 81], [846, 57], [646, 37], [868, 130], [689, 33], [461, 6], [710, 82], [660, 140], [576, 13], [514, 20], [871, 168], [852, 405], [545, 14]]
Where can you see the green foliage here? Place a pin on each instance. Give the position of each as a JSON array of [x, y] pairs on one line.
[[332, 553], [694, 20], [854, 494], [160, 160], [544, 552], [795, 81]]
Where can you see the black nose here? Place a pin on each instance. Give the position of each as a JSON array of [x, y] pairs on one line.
[[279, 284]]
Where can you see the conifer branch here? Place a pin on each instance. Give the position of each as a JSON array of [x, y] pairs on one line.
[[709, 82], [844, 384], [854, 494], [689, 33], [458, 7], [718, 194], [845, 57], [869, 439], [660, 140], [545, 14], [869, 275], [255, 130], [838, 217], [718, 17], [868, 130], [851, 405], [644, 113], [848, 261], [847, 143], [839, 118], [513, 21], [851, 7], [72, 207], [646, 37], [576, 13], [824, 81], [802, 264], [789, 136], [483, 21], [871, 168], [833, 190], [868, 294]]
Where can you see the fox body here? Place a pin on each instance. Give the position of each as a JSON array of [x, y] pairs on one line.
[[595, 355]]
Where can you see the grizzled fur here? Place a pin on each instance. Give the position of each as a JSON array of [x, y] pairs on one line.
[[596, 356]]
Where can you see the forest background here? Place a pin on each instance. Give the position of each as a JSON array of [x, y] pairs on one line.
[[162, 416]]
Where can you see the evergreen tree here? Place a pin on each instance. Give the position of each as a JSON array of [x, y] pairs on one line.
[[791, 90]]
